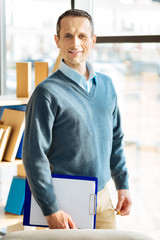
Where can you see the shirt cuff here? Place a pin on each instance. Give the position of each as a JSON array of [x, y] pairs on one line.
[[50, 209], [121, 182]]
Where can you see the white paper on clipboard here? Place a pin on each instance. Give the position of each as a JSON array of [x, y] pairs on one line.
[[75, 196]]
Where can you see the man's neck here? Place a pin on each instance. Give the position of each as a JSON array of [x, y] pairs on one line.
[[80, 68]]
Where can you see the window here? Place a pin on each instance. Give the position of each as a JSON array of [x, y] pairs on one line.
[[30, 29], [136, 76], [126, 17], [128, 50]]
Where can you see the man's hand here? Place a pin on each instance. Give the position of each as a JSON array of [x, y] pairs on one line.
[[124, 202], [60, 220]]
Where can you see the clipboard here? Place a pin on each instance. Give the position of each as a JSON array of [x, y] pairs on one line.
[[80, 201]]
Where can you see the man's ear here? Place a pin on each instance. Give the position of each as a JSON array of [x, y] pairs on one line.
[[56, 38], [94, 38]]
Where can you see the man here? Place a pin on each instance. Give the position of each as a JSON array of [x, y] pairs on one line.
[[73, 127]]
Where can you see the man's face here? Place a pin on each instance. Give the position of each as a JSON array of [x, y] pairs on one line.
[[75, 40]]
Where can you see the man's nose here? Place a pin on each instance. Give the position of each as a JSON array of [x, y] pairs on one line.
[[75, 41]]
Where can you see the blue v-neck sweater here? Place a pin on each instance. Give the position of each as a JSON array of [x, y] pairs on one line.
[[69, 131]]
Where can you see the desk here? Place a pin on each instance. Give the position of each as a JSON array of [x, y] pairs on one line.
[[8, 164], [8, 219], [12, 100]]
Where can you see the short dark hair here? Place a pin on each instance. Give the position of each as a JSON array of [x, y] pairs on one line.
[[75, 13]]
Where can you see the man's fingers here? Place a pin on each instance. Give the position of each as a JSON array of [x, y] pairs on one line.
[[119, 205], [66, 226], [123, 209], [71, 223], [60, 220], [124, 203], [118, 211], [125, 212]]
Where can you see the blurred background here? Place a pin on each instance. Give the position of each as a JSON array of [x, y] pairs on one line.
[[128, 50]]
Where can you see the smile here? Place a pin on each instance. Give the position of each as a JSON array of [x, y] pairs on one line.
[[74, 52]]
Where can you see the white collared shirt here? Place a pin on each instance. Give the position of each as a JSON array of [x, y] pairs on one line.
[[78, 78]]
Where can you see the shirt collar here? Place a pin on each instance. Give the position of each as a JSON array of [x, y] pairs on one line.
[[74, 75]]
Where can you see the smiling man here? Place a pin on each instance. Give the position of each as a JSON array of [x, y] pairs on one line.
[[73, 127], [75, 41]]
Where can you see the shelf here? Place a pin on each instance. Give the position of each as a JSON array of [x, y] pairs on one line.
[[6, 163], [8, 219], [12, 100]]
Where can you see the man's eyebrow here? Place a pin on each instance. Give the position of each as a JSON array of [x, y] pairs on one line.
[[67, 33], [82, 33]]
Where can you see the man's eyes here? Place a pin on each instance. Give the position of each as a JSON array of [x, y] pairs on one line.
[[68, 36], [81, 36]]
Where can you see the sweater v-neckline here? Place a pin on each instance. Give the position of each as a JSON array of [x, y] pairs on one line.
[[89, 94]]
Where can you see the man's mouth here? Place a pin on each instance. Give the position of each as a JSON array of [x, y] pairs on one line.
[[74, 52]]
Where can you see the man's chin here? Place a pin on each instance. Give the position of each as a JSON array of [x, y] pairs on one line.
[[74, 61]]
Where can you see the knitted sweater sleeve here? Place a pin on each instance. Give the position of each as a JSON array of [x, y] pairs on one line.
[[40, 118], [118, 162]]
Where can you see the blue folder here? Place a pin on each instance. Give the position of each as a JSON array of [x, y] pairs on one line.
[[16, 196], [75, 195]]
